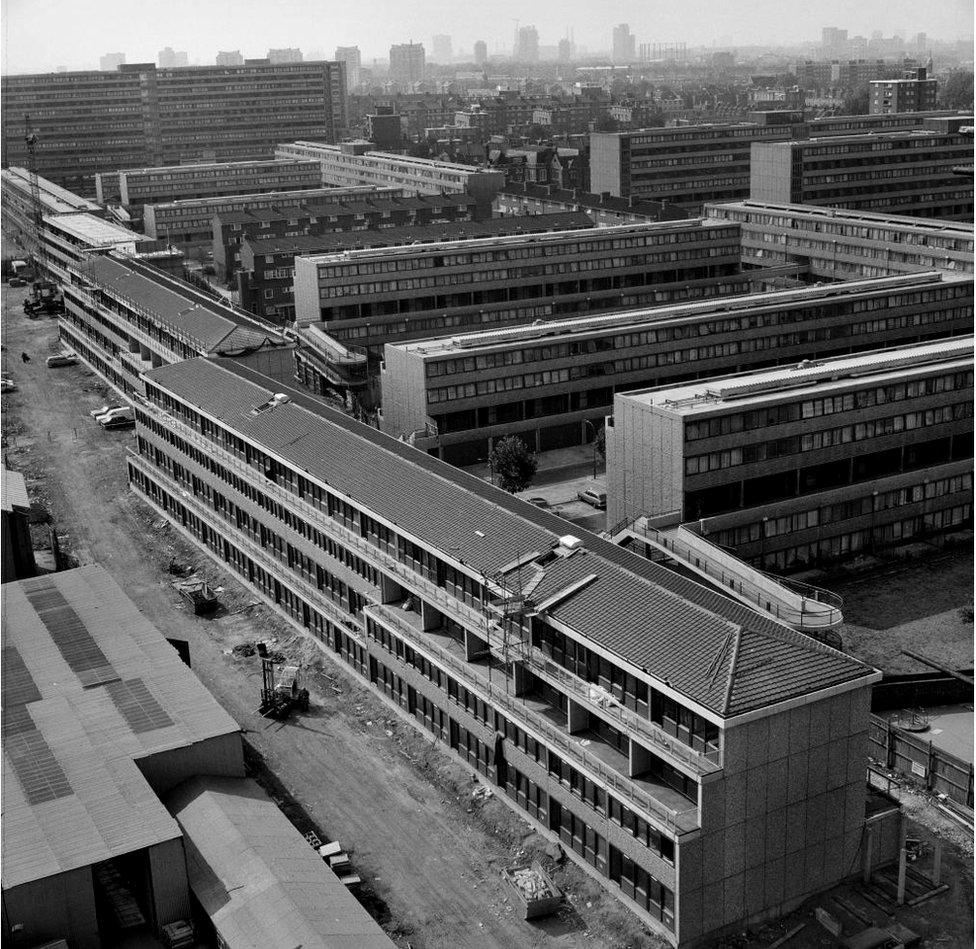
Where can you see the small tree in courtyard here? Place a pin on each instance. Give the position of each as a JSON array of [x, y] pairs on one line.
[[513, 464]]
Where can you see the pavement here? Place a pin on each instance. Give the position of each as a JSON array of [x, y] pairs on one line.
[[562, 474]]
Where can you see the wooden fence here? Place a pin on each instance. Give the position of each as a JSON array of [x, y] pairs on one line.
[[914, 755]]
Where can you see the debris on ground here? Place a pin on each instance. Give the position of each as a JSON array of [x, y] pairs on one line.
[[244, 650]]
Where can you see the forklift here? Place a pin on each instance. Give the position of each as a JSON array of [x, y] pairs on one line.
[[44, 298], [282, 689]]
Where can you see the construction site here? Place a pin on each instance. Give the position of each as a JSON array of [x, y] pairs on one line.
[[461, 719]]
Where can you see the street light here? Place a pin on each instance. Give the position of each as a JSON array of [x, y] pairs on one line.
[[586, 421]]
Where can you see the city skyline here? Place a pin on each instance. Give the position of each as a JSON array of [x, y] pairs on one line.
[[29, 47]]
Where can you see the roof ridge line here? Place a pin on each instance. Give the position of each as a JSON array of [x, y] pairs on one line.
[[733, 665]]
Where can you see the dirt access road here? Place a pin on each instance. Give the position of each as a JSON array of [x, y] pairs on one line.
[[429, 852]]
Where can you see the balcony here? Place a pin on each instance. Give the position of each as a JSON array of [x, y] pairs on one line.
[[587, 749]]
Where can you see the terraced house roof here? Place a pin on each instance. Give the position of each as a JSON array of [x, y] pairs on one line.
[[211, 326], [717, 652]]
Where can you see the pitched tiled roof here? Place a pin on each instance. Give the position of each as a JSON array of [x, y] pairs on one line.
[[679, 631], [214, 328]]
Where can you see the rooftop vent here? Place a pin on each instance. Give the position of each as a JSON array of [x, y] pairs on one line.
[[570, 543], [279, 398]]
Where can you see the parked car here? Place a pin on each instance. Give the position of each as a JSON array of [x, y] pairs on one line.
[[8, 385], [112, 415], [95, 413], [16, 282], [119, 421], [61, 359], [538, 502], [595, 496]]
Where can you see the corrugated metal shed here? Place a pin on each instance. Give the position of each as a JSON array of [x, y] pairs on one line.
[[13, 491], [680, 632], [73, 794], [258, 879]]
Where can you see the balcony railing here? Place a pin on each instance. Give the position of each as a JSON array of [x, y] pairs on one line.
[[676, 820], [806, 608]]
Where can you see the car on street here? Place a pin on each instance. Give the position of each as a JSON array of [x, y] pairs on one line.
[[595, 496], [8, 385], [61, 359]]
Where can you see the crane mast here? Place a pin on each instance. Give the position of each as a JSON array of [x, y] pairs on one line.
[[36, 212]]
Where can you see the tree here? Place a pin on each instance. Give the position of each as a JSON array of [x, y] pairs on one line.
[[513, 463], [857, 101], [957, 91]]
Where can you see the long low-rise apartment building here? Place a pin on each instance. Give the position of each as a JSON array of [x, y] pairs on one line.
[[705, 762], [69, 239], [267, 266], [906, 173], [603, 209], [189, 222], [384, 208], [553, 385], [138, 186], [356, 163], [373, 297], [18, 200], [836, 244], [123, 317], [801, 465]]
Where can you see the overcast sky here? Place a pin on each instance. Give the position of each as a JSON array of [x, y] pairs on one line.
[[40, 35]]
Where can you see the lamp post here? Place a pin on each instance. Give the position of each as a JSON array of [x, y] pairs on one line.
[[586, 421]]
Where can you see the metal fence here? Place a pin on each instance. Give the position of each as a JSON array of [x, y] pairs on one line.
[[913, 754]]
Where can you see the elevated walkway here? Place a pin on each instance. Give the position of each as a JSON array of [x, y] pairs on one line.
[[805, 608]]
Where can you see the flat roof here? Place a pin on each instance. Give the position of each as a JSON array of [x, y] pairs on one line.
[[94, 231], [56, 200], [284, 196], [203, 166], [718, 653], [511, 240], [872, 217], [420, 234], [887, 135], [183, 309], [806, 378], [624, 320], [90, 686], [427, 163], [13, 490], [257, 878]]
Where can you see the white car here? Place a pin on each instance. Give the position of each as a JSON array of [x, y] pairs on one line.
[[8, 385], [115, 415], [108, 407], [61, 359]]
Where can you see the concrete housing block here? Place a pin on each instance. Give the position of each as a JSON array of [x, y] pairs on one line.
[[735, 898], [796, 785], [814, 867], [713, 906], [776, 833], [755, 890], [779, 736], [756, 783], [773, 881], [817, 770], [755, 843], [735, 852], [735, 798], [840, 715], [837, 763], [690, 866], [758, 744], [713, 859], [819, 724], [735, 743], [816, 818], [796, 825], [777, 776], [799, 729]]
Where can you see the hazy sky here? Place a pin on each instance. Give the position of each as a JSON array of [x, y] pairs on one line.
[[40, 35]]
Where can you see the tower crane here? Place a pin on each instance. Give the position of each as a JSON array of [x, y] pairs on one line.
[[43, 296]]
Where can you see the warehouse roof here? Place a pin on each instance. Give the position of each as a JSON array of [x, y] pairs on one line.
[[211, 326], [715, 651], [13, 491], [420, 234], [257, 878], [90, 687]]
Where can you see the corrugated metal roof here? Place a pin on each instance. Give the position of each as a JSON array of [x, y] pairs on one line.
[[13, 490], [99, 805], [648, 615], [257, 878]]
